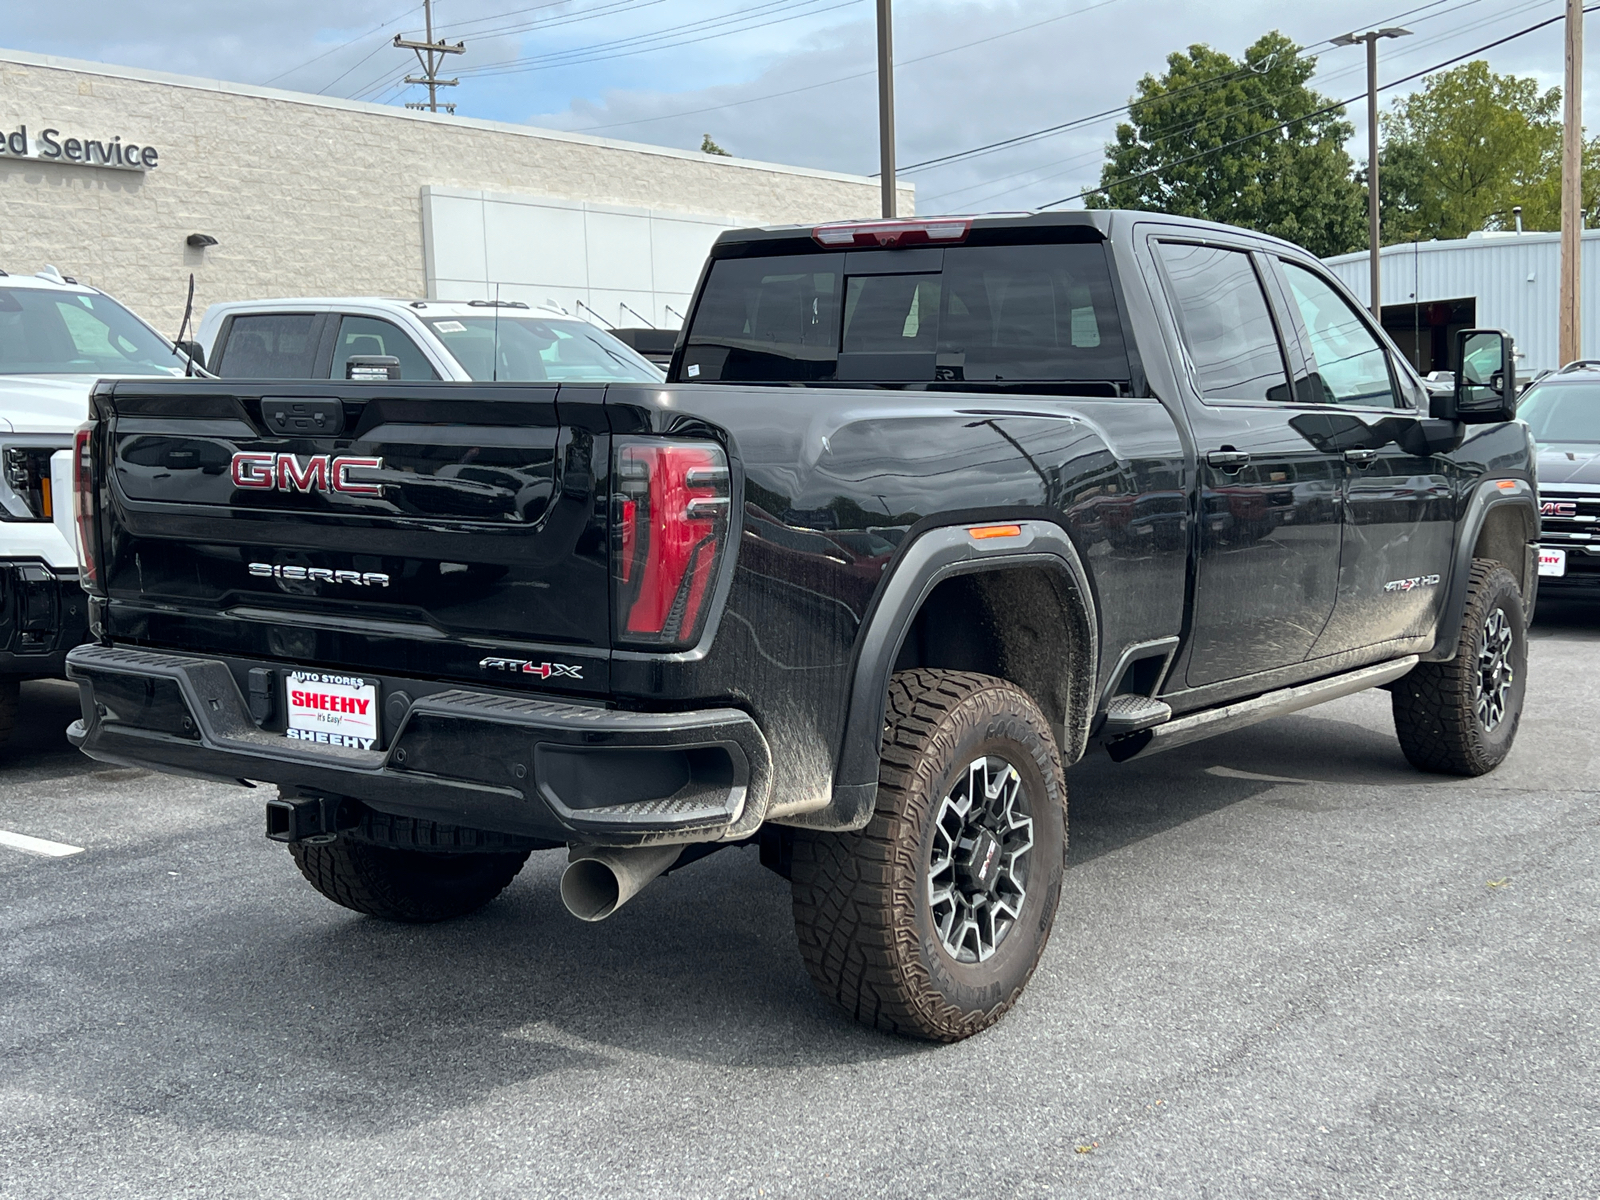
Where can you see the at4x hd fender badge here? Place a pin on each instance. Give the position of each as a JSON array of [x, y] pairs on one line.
[[1407, 585], [544, 670]]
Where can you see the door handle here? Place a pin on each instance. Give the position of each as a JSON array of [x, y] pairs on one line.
[[1361, 458], [1227, 459]]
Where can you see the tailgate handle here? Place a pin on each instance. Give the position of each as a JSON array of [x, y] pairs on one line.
[[302, 418]]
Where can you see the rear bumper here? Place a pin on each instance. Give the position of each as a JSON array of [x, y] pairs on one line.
[[481, 760], [43, 614]]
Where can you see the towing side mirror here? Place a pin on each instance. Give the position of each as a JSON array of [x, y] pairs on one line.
[[1486, 377], [371, 368]]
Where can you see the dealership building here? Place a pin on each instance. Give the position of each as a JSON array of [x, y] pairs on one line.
[[131, 180]]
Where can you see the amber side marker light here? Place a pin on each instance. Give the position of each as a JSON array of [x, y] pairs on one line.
[[995, 531], [1507, 484]]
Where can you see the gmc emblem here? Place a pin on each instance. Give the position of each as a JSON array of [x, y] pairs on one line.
[[264, 472], [1558, 508]]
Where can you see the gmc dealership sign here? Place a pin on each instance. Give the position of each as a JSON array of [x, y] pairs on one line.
[[51, 145]]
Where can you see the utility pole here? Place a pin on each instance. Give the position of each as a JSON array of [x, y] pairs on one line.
[[1571, 336], [886, 104], [1373, 231], [435, 52]]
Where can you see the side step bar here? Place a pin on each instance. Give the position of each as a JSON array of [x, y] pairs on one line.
[[1213, 721]]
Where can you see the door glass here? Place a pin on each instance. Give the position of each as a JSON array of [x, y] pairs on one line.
[[269, 346], [1351, 365], [1227, 325], [368, 335]]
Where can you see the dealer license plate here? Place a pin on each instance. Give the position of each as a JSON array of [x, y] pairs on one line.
[[335, 710], [1552, 562]]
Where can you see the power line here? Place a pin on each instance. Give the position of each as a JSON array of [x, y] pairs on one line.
[[1311, 115], [1094, 118], [737, 21], [695, 112], [343, 45], [606, 9]]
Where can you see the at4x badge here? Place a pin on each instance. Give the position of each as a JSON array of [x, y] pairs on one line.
[[544, 670], [1411, 585]]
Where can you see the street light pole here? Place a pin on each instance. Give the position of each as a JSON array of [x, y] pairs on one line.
[[1371, 39], [886, 105]]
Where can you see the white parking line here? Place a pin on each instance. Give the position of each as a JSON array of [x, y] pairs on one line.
[[33, 845]]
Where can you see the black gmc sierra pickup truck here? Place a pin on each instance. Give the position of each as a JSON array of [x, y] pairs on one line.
[[923, 512]]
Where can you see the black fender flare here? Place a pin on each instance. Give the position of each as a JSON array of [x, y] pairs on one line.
[[936, 555], [1489, 495]]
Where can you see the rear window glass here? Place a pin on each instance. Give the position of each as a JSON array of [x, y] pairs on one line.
[[994, 314], [269, 346]]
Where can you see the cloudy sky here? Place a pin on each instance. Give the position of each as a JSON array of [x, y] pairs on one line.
[[790, 80]]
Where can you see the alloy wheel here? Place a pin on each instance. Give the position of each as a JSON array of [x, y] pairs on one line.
[[1496, 674], [978, 874]]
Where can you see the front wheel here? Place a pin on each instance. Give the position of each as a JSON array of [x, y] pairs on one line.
[[1460, 717], [931, 920]]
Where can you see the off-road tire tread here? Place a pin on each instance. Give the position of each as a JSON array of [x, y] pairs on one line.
[[10, 703], [848, 916], [416, 833], [366, 879], [1434, 715]]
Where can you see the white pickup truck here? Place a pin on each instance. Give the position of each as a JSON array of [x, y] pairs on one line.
[[57, 338], [462, 341]]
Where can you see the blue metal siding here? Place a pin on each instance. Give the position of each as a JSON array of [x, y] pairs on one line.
[[1515, 279]]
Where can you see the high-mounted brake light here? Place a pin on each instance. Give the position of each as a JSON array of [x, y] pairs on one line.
[[83, 510], [669, 528], [943, 231]]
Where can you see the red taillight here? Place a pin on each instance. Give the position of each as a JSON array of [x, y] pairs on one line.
[[83, 510], [941, 231], [670, 522]]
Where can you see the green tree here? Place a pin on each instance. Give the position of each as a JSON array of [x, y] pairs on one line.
[[1458, 154], [1289, 176], [707, 146]]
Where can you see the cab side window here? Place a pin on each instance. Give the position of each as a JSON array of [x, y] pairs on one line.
[[1352, 367], [269, 346], [1227, 325], [368, 335]]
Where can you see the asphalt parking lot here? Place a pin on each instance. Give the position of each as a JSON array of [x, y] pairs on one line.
[[1285, 965]]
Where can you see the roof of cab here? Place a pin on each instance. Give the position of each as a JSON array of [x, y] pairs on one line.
[[1107, 222]]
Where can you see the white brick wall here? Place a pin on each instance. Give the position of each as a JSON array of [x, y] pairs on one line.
[[309, 196]]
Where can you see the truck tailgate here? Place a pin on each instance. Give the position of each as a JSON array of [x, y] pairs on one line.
[[446, 531]]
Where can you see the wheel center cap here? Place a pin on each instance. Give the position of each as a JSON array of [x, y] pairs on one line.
[[978, 864]]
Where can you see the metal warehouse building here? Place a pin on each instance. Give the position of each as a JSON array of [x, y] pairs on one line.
[[130, 180], [1507, 281]]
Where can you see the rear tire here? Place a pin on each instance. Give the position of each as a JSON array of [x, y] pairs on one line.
[[1460, 717], [930, 921], [405, 885], [10, 701]]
